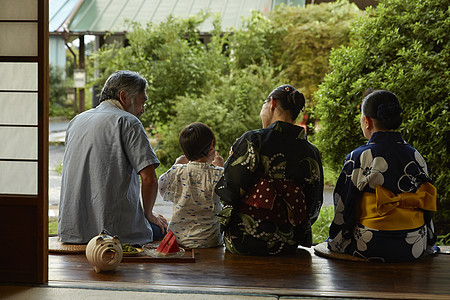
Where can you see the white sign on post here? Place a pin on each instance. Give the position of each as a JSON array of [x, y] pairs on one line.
[[79, 78]]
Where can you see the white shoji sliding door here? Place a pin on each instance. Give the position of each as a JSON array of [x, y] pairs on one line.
[[24, 140]]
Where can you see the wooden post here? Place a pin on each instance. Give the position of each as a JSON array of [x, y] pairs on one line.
[[75, 110], [81, 66]]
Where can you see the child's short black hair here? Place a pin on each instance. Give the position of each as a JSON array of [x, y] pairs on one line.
[[195, 140]]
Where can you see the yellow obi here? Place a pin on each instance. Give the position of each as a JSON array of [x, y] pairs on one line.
[[386, 211]]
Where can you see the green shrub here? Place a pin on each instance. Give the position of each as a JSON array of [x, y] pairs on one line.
[[305, 37], [175, 62], [221, 83], [254, 42], [58, 169], [230, 109], [401, 46], [258, 57], [52, 226], [57, 92], [171, 57]]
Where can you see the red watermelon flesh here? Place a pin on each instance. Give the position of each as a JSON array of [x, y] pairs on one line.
[[168, 244]]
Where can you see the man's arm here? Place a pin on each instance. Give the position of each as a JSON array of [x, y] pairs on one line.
[[149, 192]]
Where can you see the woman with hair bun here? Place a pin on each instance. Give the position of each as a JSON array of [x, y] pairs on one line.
[[383, 197], [272, 187]]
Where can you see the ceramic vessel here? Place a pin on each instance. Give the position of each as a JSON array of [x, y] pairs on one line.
[[104, 252]]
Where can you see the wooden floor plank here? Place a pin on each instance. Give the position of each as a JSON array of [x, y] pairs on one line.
[[303, 274]]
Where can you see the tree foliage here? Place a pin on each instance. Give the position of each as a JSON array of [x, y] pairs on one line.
[[223, 83], [217, 83], [230, 109], [57, 91], [170, 56], [233, 95], [305, 38], [401, 46]]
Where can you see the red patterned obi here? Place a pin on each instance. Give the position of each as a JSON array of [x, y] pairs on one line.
[[276, 201]]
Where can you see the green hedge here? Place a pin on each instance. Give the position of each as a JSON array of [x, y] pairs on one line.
[[57, 92], [401, 46]]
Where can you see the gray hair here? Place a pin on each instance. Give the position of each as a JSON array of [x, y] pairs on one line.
[[128, 81]]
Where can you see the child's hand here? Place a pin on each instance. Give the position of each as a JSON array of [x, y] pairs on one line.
[[218, 160], [182, 160]]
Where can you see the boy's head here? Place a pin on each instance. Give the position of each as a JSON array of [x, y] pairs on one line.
[[195, 140]]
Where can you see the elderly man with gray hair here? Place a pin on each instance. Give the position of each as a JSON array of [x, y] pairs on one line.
[[108, 166]]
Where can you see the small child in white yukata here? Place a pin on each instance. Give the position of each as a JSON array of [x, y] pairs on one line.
[[190, 184]]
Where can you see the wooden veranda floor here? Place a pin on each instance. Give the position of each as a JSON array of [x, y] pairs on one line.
[[302, 275]]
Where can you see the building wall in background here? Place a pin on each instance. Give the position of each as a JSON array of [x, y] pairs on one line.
[[57, 51], [362, 4]]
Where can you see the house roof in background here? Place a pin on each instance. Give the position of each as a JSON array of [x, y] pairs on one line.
[[95, 16], [60, 12]]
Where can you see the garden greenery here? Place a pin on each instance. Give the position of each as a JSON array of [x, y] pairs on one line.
[[403, 47], [169, 55], [322, 225], [57, 91], [223, 83], [305, 38]]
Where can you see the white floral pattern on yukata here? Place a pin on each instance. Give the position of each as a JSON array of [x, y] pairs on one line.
[[362, 236], [370, 172], [339, 208], [418, 240], [408, 181]]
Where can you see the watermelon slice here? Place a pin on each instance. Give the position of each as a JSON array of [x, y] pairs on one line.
[[168, 244]]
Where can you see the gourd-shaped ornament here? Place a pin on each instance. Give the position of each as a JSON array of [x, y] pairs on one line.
[[104, 252]]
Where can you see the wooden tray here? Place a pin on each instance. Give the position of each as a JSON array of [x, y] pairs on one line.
[[189, 257]]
